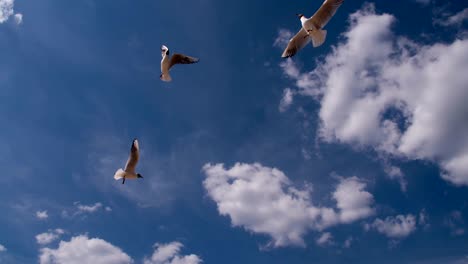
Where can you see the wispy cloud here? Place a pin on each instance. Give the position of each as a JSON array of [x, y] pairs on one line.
[[2, 248], [49, 237], [325, 239]]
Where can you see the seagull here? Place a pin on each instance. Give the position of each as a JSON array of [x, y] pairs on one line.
[[129, 172], [312, 28], [167, 62]]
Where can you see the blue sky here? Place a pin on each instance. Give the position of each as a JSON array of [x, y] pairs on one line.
[[353, 152]]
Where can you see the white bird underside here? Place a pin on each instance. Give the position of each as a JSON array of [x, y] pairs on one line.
[[168, 62], [129, 171], [312, 28]]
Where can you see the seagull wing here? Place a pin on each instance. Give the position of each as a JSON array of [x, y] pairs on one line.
[[182, 59], [299, 41], [326, 12], [134, 156]]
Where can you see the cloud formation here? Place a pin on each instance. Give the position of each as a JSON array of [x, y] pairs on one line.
[[325, 239], [42, 215], [81, 249], [49, 237], [397, 227], [404, 99], [263, 200], [2, 248], [170, 254], [6, 9]]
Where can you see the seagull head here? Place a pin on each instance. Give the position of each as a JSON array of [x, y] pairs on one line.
[[300, 15], [165, 49], [139, 175]]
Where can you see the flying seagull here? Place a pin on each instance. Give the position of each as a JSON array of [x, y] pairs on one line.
[[312, 28], [129, 172], [167, 62]]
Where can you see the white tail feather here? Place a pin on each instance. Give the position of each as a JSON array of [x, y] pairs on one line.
[[165, 77], [318, 37], [119, 174]]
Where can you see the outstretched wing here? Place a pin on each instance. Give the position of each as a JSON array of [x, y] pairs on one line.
[[326, 12], [299, 41], [182, 59], [134, 156]]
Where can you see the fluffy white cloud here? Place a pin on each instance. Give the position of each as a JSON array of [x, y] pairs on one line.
[[170, 254], [81, 249], [2, 248], [42, 215], [352, 200], [402, 98], [263, 200], [6, 9], [325, 239], [49, 237], [286, 100], [397, 227]]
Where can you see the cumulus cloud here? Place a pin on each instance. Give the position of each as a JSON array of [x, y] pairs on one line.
[[2, 248], [395, 173], [263, 200], [286, 100], [42, 215], [49, 237], [6, 9], [81, 249], [397, 227], [402, 98], [325, 239], [170, 254], [352, 200]]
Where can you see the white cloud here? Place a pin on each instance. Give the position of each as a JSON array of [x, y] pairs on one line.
[[42, 215], [2, 248], [325, 239], [399, 97], [263, 200], [286, 100], [89, 208], [170, 254], [354, 203], [108, 209], [395, 173], [6, 9], [49, 237], [18, 18], [397, 227], [81, 249], [453, 20]]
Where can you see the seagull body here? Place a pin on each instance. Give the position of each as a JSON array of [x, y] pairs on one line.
[[129, 171], [167, 62], [312, 28]]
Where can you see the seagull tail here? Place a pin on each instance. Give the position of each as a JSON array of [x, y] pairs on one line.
[[165, 77], [318, 37], [119, 174]]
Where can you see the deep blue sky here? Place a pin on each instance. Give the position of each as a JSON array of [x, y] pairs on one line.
[[80, 79]]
